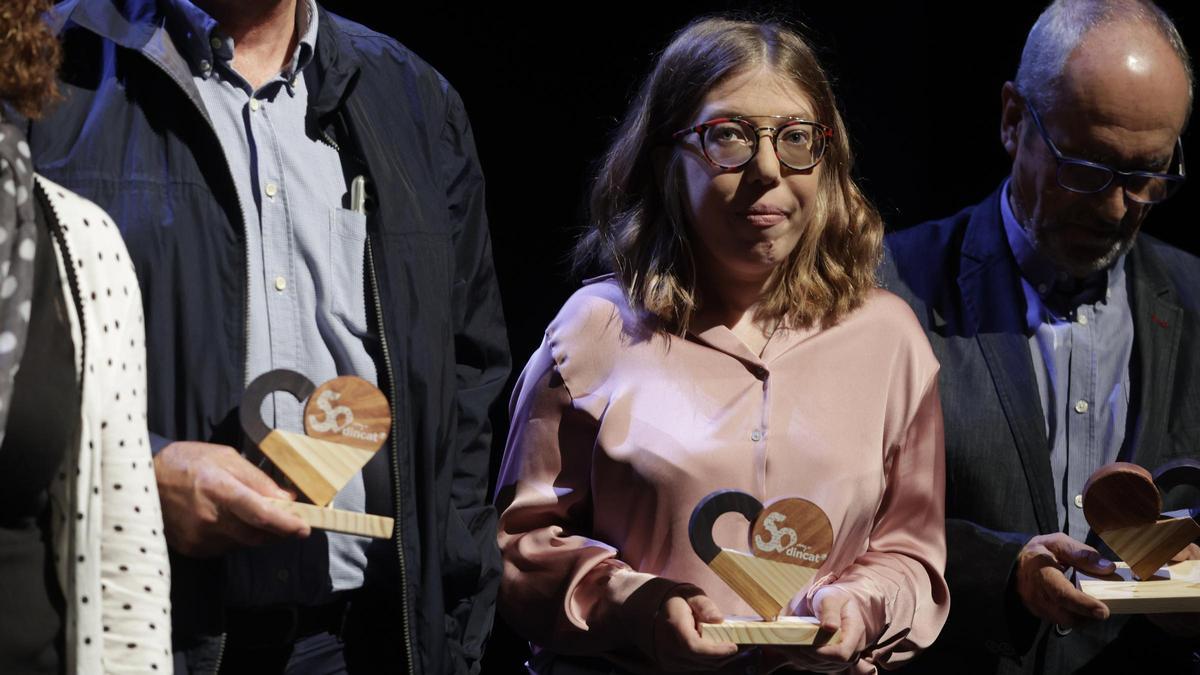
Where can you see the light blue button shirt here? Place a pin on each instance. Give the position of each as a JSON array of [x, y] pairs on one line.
[[1081, 339], [305, 256]]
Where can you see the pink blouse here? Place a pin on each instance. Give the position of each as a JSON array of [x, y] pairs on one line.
[[617, 433]]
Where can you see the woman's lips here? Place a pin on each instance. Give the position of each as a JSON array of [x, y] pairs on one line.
[[763, 216]]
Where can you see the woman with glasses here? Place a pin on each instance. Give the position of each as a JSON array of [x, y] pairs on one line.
[[739, 342]]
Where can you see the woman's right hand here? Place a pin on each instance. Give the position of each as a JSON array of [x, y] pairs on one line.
[[678, 645]]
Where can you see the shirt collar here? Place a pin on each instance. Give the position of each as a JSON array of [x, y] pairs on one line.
[[1058, 290], [201, 41]]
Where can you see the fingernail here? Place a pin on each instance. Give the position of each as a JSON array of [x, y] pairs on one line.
[[282, 494], [1105, 562]]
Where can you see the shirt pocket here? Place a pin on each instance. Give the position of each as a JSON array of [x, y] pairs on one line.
[[347, 256]]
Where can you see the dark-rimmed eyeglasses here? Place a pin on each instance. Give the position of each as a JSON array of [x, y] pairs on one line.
[[731, 142], [1084, 177]]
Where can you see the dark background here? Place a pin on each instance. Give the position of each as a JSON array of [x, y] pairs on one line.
[[919, 83]]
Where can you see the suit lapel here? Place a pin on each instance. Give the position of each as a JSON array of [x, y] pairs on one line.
[[1157, 322], [994, 311], [1008, 361]]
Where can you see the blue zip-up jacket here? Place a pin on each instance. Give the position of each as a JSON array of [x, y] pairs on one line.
[[131, 135]]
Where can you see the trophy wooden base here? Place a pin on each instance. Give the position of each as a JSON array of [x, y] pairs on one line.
[[1175, 588], [786, 630], [337, 520]]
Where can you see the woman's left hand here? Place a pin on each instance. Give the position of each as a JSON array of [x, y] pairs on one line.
[[837, 612]]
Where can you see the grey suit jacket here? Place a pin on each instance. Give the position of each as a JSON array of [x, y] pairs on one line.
[[960, 277]]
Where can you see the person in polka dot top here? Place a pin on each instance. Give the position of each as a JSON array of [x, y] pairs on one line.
[[84, 577]]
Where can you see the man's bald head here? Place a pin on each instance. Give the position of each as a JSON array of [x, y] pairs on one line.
[[1066, 26], [1123, 73], [1112, 85]]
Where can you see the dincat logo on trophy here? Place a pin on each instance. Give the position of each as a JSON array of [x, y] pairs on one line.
[[1123, 505], [339, 420], [789, 540], [346, 421]]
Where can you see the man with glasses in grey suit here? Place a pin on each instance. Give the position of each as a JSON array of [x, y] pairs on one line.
[[1066, 340]]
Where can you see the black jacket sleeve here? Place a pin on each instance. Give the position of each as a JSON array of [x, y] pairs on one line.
[[482, 366]]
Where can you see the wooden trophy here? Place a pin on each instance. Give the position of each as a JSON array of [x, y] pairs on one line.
[[1122, 504], [346, 421], [790, 539]]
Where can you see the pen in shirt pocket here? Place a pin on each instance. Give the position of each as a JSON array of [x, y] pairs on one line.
[[358, 194]]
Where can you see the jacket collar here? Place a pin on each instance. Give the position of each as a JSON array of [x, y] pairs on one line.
[[134, 24], [331, 74], [988, 276], [128, 23], [1157, 327]]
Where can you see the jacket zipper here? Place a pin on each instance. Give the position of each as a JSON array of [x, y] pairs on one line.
[[398, 539], [245, 264]]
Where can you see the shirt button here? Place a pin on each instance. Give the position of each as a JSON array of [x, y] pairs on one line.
[[271, 189], [205, 66], [215, 42], [1081, 406], [1079, 501], [1082, 319], [281, 575], [254, 105], [280, 283], [1042, 288], [756, 435]]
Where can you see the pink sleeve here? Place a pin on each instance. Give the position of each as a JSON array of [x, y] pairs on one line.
[[561, 589], [898, 582]]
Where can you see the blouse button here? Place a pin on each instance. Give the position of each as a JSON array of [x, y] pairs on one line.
[[756, 435]]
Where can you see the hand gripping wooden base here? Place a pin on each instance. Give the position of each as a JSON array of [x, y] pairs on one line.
[[347, 420], [1122, 504], [790, 539]]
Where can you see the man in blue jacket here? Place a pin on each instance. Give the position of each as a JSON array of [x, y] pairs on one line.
[[225, 139], [1066, 341]]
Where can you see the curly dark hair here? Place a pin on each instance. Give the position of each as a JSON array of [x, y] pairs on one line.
[[29, 56]]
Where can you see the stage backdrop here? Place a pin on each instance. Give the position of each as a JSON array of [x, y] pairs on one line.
[[919, 84]]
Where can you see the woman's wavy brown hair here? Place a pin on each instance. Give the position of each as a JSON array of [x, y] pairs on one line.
[[638, 229], [29, 56]]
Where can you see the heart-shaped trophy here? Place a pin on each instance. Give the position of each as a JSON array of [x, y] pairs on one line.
[[1123, 505], [346, 421], [790, 538]]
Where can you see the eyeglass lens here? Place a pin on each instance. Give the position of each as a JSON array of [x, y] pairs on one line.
[[732, 143], [1089, 179]]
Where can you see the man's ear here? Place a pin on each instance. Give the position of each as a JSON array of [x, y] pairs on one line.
[[1012, 116]]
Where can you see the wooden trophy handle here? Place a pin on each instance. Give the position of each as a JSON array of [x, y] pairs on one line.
[[710, 508], [269, 382], [1179, 473]]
